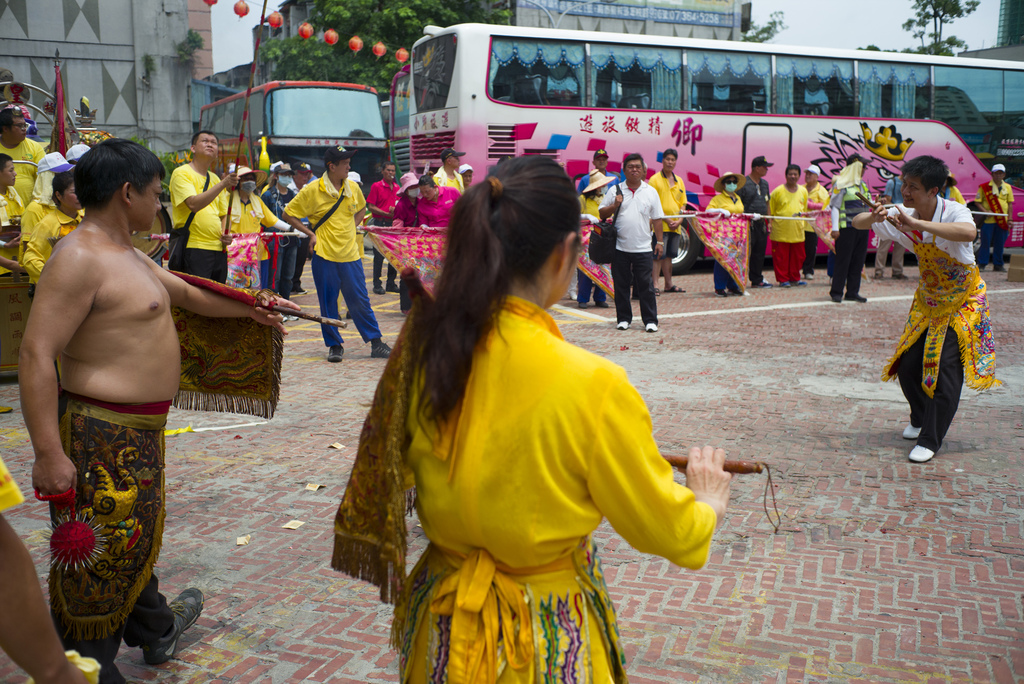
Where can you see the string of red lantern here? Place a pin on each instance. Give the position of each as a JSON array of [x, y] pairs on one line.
[[241, 8], [211, 3], [276, 19]]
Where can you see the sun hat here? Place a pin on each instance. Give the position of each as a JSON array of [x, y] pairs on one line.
[[597, 181], [261, 176], [408, 180], [740, 180]]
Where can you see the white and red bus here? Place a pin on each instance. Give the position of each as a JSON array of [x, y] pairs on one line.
[[495, 91]]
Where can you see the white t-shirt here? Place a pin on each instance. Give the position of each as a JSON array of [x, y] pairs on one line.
[[638, 209], [946, 211]]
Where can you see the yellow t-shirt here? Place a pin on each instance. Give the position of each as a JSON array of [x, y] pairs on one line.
[[251, 217], [205, 230], [782, 202], [40, 246], [10, 495], [35, 212], [1004, 198], [528, 496], [590, 205], [821, 196], [442, 180], [10, 207], [28, 151], [957, 196], [733, 205], [673, 197], [336, 238]]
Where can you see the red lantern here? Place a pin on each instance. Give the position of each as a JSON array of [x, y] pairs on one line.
[[355, 43], [241, 8], [211, 3], [276, 20], [305, 30], [330, 36], [380, 49], [401, 55]]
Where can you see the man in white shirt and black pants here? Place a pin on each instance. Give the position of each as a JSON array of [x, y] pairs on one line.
[[640, 214]]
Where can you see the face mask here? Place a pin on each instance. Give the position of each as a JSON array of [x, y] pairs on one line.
[[730, 187], [414, 193], [248, 186]]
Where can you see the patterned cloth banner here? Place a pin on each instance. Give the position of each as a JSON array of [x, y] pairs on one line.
[[244, 261], [821, 221], [599, 273], [728, 240], [418, 248]]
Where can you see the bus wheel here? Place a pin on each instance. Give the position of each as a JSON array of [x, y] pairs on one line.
[[690, 249]]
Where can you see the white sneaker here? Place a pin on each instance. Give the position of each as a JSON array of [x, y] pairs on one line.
[[623, 325], [652, 327], [911, 432], [921, 455]]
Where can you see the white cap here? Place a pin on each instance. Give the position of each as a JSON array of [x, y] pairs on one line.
[[464, 168], [813, 168], [998, 167], [275, 166], [76, 152], [352, 175], [55, 162]]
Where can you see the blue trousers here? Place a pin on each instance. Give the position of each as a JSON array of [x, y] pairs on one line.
[[724, 281], [266, 278], [583, 287], [347, 279], [995, 237]]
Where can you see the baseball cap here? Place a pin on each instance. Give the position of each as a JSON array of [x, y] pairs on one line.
[[813, 168], [76, 152], [464, 168], [353, 175], [55, 162], [998, 167], [600, 153], [303, 167], [280, 167], [449, 152], [761, 161]]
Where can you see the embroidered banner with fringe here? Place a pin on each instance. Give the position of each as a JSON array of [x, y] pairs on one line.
[[728, 240], [821, 221], [599, 273], [244, 261], [418, 248]]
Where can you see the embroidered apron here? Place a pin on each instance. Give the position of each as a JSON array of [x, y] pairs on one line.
[[950, 295]]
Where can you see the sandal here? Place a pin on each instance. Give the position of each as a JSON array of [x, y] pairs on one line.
[[657, 292], [674, 288]]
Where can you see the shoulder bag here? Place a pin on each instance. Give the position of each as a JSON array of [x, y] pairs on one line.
[[179, 238], [603, 236]]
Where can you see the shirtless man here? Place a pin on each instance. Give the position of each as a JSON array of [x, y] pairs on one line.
[[104, 309]]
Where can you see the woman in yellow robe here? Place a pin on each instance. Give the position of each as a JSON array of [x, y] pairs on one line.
[[519, 444]]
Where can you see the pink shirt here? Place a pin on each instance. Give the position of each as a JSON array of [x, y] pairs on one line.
[[436, 214], [383, 195]]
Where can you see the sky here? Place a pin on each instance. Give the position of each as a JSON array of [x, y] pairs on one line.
[[829, 23]]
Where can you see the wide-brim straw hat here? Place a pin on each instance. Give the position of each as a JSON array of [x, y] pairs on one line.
[[741, 180], [261, 176], [597, 181]]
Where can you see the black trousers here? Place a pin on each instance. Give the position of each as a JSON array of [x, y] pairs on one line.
[[851, 250], [378, 267], [207, 263], [634, 269], [758, 247], [150, 619], [300, 263], [810, 251], [932, 414]]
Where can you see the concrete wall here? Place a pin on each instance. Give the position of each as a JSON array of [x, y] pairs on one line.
[[102, 44], [199, 19]]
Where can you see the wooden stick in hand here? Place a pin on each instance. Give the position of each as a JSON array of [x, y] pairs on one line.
[[734, 467]]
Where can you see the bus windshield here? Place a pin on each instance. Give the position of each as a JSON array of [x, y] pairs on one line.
[[299, 112]]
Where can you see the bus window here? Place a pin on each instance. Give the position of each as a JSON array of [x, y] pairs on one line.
[[971, 101], [536, 73], [299, 112], [628, 77], [256, 114], [432, 65], [729, 81], [899, 91], [821, 87]]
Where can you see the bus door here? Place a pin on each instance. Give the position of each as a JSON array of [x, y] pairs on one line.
[[774, 142]]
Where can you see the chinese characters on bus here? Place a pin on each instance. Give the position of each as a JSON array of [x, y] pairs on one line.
[[685, 131]]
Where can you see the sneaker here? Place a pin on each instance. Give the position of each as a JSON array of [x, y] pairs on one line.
[[720, 293], [838, 299], [735, 293], [392, 287], [763, 283], [335, 353], [911, 432], [800, 283], [601, 305], [623, 325], [808, 276], [298, 290], [998, 268], [186, 608], [379, 349], [583, 305], [856, 298], [920, 455], [378, 289], [786, 284], [651, 327], [898, 276]]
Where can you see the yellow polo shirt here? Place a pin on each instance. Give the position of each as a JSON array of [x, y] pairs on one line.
[[205, 230], [733, 204], [819, 195], [782, 202], [250, 217], [672, 194], [442, 180], [336, 238], [27, 151], [10, 207], [37, 252], [1004, 198]]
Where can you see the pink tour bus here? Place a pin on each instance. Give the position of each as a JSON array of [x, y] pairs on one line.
[[496, 91]]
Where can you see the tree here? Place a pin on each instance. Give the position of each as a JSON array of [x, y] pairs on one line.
[[396, 23], [935, 14], [764, 34]]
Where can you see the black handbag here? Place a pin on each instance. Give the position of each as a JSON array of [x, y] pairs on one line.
[[603, 236]]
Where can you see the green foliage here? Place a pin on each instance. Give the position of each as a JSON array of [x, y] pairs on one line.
[[934, 15], [187, 48], [765, 34], [396, 23], [871, 48], [148, 67]]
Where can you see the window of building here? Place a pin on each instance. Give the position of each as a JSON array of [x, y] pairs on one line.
[[893, 90], [630, 77], [729, 81], [805, 85], [537, 72]]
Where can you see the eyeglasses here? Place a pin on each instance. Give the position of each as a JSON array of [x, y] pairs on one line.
[[21, 126], [634, 167]]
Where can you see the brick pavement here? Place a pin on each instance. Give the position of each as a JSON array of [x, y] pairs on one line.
[[884, 571]]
